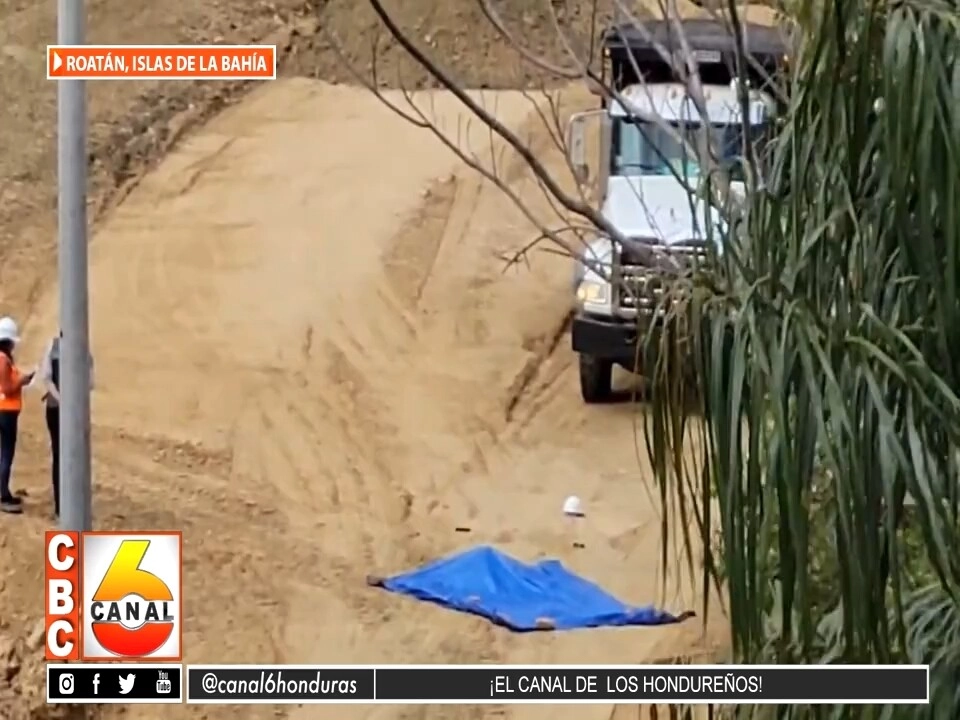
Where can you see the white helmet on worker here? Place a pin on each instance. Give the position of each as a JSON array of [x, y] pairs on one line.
[[9, 330]]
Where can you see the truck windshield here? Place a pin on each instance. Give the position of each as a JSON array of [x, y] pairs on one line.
[[642, 147]]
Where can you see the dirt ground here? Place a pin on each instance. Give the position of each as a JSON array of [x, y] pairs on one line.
[[310, 359]]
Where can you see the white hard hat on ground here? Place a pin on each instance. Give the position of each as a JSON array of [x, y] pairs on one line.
[[573, 507], [9, 329]]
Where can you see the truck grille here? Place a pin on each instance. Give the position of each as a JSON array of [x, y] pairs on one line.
[[641, 287]]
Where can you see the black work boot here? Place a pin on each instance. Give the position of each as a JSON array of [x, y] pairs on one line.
[[11, 505]]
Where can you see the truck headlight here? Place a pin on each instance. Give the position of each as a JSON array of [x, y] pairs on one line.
[[594, 293]]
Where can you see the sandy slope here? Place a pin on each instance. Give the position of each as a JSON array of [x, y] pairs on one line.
[[311, 360]]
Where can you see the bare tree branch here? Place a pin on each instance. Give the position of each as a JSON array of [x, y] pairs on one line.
[[574, 206], [417, 117], [494, 17], [710, 182]]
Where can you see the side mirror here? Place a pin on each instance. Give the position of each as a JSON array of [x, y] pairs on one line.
[[576, 147]]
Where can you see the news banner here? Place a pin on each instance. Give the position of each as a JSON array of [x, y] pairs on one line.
[[486, 684], [113, 596]]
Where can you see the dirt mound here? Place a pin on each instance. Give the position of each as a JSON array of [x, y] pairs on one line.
[[313, 391], [23, 679], [134, 124]]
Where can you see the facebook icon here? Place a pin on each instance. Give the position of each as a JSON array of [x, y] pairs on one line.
[[96, 684]]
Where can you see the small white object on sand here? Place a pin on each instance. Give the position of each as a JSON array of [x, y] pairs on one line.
[[573, 507]]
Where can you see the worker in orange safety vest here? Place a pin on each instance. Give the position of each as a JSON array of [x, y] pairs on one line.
[[12, 382]]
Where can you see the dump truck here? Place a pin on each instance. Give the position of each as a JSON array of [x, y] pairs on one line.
[[645, 172]]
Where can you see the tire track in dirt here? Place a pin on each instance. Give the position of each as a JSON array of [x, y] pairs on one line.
[[543, 349], [412, 254]]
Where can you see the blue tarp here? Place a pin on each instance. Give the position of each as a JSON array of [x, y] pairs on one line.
[[487, 582]]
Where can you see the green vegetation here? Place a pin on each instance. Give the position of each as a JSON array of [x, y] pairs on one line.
[[826, 416]]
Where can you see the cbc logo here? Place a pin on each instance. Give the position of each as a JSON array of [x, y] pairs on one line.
[[65, 682], [113, 595]]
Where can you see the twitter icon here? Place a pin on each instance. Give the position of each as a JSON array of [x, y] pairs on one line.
[[126, 683]]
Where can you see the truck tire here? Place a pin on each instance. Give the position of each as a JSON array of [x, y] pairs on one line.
[[596, 379]]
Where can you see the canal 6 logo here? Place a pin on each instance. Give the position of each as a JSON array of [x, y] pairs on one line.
[[131, 596]]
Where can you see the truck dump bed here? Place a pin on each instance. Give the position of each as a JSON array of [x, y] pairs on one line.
[[712, 42]]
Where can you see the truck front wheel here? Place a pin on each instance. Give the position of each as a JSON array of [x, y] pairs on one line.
[[596, 379]]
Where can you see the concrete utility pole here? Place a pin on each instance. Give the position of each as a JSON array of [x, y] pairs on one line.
[[75, 486]]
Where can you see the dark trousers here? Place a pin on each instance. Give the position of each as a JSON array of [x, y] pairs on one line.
[[53, 426], [8, 447]]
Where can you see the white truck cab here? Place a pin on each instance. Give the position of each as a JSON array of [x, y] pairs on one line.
[[645, 175]]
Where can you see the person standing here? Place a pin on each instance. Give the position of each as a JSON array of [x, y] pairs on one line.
[[12, 382], [50, 374]]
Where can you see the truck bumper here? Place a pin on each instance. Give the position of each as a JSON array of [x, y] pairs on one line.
[[605, 339]]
